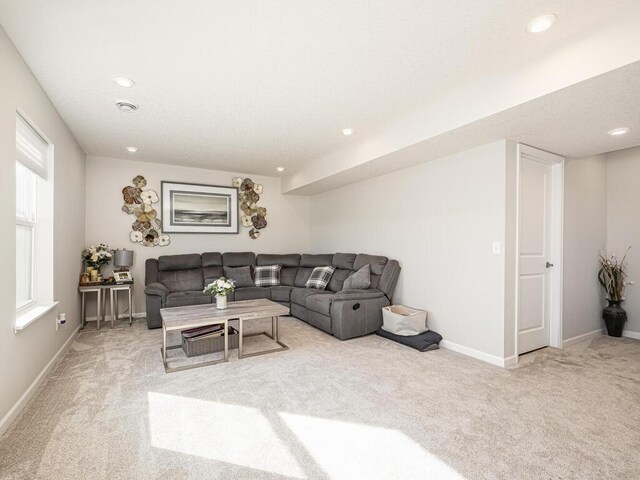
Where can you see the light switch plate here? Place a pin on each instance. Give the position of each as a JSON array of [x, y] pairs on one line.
[[495, 248]]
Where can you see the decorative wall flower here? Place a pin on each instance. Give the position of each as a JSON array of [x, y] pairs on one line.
[[139, 181], [259, 221], [148, 197], [138, 202], [247, 184], [249, 196], [246, 221]]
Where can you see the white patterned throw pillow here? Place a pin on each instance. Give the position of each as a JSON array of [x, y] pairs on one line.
[[267, 276], [320, 277]]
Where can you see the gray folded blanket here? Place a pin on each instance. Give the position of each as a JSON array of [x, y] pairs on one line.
[[424, 342]]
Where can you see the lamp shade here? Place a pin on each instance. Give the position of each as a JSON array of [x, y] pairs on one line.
[[123, 258]]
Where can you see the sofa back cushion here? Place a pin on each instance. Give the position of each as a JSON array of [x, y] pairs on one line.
[[181, 273], [343, 263], [238, 259], [179, 262], [307, 263], [182, 280], [240, 275], [375, 262], [289, 264], [212, 267]]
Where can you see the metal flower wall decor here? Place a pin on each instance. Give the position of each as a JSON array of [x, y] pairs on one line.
[[139, 203], [253, 215]]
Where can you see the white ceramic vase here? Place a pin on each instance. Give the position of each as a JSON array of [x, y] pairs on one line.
[[221, 302]]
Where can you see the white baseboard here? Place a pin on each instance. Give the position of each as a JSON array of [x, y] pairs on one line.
[[477, 354], [630, 334], [125, 316], [22, 402], [582, 338]]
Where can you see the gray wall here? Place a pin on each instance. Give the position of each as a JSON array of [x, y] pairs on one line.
[[623, 223], [25, 354], [439, 220], [585, 234]]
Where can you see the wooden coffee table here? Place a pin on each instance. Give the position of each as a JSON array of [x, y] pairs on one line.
[[193, 316]]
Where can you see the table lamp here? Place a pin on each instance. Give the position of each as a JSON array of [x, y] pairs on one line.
[[122, 260]]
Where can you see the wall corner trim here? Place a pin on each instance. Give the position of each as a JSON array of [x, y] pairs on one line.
[[24, 399], [478, 355], [582, 338]]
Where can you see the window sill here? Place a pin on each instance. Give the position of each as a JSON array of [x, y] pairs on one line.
[[26, 318]]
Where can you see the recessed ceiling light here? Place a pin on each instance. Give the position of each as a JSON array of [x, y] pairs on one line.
[[132, 149], [347, 131], [541, 23], [126, 106], [280, 169], [616, 132], [124, 82]]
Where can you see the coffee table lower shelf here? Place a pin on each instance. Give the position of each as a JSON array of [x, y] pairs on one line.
[[174, 320]]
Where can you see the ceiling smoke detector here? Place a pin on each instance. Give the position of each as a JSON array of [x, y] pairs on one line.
[[347, 131], [126, 107]]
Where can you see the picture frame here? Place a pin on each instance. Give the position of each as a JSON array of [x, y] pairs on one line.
[[122, 276], [199, 208]]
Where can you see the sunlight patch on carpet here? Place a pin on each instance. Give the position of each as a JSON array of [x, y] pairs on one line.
[[346, 451], [227, 433]]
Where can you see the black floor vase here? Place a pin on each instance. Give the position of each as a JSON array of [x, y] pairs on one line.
[[614, 317]]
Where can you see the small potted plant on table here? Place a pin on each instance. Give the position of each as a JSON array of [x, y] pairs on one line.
[[220, 289], [613, 278]]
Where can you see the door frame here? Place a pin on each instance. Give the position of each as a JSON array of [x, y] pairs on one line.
[[557, 214]]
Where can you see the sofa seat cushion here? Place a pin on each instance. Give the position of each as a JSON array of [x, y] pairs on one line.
[[183, 299], [281, 293], [251, 293], [320, 304], [299, 295]]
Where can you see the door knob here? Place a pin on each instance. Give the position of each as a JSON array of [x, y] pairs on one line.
[[549, 265]]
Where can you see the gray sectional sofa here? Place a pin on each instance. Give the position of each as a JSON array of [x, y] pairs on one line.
[[178, 280]]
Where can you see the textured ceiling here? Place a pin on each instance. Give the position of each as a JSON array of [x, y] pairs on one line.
[[251, 85], [572, 122]]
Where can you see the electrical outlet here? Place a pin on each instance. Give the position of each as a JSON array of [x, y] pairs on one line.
[[61, 320]]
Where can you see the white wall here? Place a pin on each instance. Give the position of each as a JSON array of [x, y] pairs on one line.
[[439, 220], [25, 354], [288, 215], [623, 223], [585, 234]]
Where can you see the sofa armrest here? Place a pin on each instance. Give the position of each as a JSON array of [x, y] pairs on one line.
[[157, 289], [348, 295]]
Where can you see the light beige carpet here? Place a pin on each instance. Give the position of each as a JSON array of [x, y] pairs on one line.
[[327, 409]]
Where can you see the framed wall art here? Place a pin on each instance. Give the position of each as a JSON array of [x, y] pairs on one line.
[[196, 208]]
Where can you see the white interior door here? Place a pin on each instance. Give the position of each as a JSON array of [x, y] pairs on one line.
[[536, 210]]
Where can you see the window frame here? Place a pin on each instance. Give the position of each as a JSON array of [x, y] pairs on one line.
[[38, 162]]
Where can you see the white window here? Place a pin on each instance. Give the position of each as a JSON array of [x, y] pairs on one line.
[[34, 223]]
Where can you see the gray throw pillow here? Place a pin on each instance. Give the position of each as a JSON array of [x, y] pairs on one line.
[[240, 275], [361, 280]]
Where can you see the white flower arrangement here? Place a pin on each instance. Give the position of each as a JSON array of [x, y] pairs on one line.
[[221, 287], [97, 256]]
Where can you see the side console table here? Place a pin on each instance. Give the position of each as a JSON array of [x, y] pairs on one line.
[[102, 290]]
